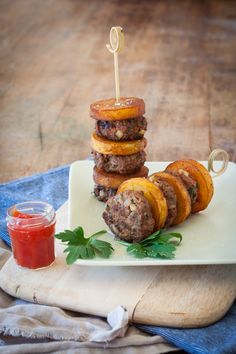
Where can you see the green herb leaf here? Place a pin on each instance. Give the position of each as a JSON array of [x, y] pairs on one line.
[[67, 235], [81, 247], [170, 236], [79, 232], [137, 250], [102, 248], [72, 255], [163, 250], [160, 244], [153, 236], [98, 233]]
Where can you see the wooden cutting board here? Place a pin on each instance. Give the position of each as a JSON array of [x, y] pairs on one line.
[[176, 296]]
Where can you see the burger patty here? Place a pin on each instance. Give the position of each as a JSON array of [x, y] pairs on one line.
[[122, 130], [129, 216], [171, 200], [103, 193], [189, 182], [119, 163]]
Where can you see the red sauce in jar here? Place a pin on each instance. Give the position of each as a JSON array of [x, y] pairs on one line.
[[32, 234]]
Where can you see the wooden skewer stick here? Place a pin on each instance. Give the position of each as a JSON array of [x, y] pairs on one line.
[[117, 81], [116, 46]]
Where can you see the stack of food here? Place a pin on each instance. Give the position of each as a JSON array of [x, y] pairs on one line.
[[118, 143], [142, 206]]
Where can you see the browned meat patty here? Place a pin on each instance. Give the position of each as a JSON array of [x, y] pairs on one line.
[[129, 216], [119, 163], [122, 130], [171, 200], [189, 182], [103, 193]]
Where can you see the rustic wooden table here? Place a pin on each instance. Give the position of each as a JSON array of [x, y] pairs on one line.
[[179, 56]]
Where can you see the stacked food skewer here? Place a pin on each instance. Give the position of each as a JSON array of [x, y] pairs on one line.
[[118, 143], [137, 205]]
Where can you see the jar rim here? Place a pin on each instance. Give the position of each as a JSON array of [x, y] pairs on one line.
[[39, 211]]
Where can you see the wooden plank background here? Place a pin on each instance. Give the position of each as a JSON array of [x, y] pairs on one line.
[[180, 56]]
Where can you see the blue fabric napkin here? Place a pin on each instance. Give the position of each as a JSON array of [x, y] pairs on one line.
[[219, 338], [52, 187]]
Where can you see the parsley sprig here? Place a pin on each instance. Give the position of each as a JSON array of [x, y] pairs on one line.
[[160, 244], [80, 247]]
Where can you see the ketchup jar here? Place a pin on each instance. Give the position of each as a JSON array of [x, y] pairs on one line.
[[31, 226]]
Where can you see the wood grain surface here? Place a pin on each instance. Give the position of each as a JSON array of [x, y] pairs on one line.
[[181, 297], [179, 57]]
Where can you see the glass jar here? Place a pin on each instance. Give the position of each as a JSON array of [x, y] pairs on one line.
[[31, 226]]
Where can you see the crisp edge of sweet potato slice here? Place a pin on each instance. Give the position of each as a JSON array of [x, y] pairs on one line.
[[108, 147], [154, 196], [183, 201], [206, 175], [115, 112], [205, 186], [114, 180]]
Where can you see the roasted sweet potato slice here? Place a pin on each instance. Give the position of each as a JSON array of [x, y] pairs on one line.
[[114, 180], [128, 107], [107, 147], [183, 201], [154, 196], [206, 175], [204, 181]]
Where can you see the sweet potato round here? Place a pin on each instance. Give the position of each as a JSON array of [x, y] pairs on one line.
[[108, 147], [114, 180], [128, 107], [183, 201], [204, 181], [154, 196]]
